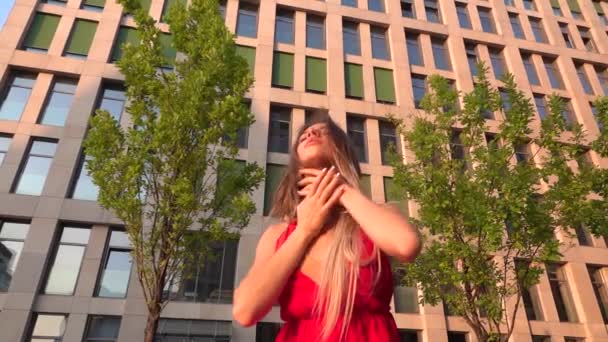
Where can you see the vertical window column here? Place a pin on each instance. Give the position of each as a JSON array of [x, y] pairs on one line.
[[67, 260], [36, 167]]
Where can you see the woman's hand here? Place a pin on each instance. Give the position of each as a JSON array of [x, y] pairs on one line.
[[322, 193]]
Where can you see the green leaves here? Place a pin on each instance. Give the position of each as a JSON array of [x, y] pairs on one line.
[[502, 208]]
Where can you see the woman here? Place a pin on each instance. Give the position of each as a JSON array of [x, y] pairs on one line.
[[326, 263]]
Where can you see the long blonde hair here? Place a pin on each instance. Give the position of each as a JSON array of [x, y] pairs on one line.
[[338, 284]]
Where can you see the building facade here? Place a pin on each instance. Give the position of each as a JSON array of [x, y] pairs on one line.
[[65, 271]]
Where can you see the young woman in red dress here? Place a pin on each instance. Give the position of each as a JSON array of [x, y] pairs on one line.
[[327, 262]]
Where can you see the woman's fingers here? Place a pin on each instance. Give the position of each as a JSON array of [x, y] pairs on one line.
[[306, 172], [330, 188], [335, 197], [306, 181], [327, 178], [317, 181]]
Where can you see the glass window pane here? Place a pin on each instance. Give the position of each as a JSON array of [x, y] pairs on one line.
[[407, 9], [553, 74], [103, 327], [413, 49], [419, 88], [516, 26], [58, 104], [49, 326], [278, 133], [487, 22], [284, 27], [9, 257], [84, 188], [463, 15], [75, 235], [247, 23], [357, 136], [33, 176], [530, 70], [350, 33], [115, 278], [113, 100], [440, 53], [16, 96], [315, 32], [375, 5], [274, 174], [64, 273], [498, 63], [119, 239], [379, 43], [14, 230]]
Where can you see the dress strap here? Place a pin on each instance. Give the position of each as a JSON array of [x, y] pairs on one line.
[[285, 234]]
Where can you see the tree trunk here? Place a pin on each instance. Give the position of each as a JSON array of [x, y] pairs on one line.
[[151, 325]]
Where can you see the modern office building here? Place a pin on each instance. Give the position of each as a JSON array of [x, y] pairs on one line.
[[65, 271]]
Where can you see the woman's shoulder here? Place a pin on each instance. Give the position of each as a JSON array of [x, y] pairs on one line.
[[275, 234]]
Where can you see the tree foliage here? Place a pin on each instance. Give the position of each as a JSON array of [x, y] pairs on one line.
[[488, 214], [158, 174]]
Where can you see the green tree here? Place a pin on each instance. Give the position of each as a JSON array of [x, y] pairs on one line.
[[159, 174], [489, 205]]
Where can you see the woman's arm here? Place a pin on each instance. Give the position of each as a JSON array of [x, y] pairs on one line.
[[262, 286], [384, 225]]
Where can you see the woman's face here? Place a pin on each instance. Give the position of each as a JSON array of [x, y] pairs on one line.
[[313, 145]]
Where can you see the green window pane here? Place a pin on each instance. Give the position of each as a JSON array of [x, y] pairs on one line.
[[598, 7], [249, 54], [385, 88], [274, 174], [282, 70], [365, 185], [125, 35], [555, 3], [96, 3], [353, 79], [168, 51], [392, 195], [81, 37], [41, 31], [316, 74], [573, 4]]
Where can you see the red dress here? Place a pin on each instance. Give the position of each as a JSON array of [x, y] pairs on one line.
[[371, 318]]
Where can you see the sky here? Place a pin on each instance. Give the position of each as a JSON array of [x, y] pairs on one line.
[[5, 7]]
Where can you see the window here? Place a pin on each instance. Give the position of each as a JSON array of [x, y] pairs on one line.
[[538, 30], [265, 331], [583, 236], [602, 75], [350, 32], [278, 132], [67, 260], [55, 2], [509, 2], [575, 9], [457, 148], [541, 105], [553, 73], [208, 278], [58, 103], [170, 330], [419, 88], [574, 339], [375, 5], [463, 15], [568, 114], [380, 48], [561, 293], [566, 35], [5, 141], [556, 8], [168, 51], [282, 70], [385, 88], [582, 77], [36, 167], [15, 96], [81, 38], [599, 289], [315, 31], [316, 75], [126, 35], [600, 12], [248, 53], [504, 96], [471, 52], [406, 295], [113, 97], [498, 62], [487, 23], [388, 140], [518, 32], [274, 174], [431, 7], [93, 5], [522, 153], [222, 8], [414, 54], [41, 32], [529, 5], [587, 39], [408, 335], [102, 328], [12, 236], [114, 279], [283, 28], [408, 9], [350, 3], [355, 127], [48, 327], [84, 188], [541, 338], [440, 53], [247, 21], [594, 112], [530, 69], [457, 336], [353, 80]]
